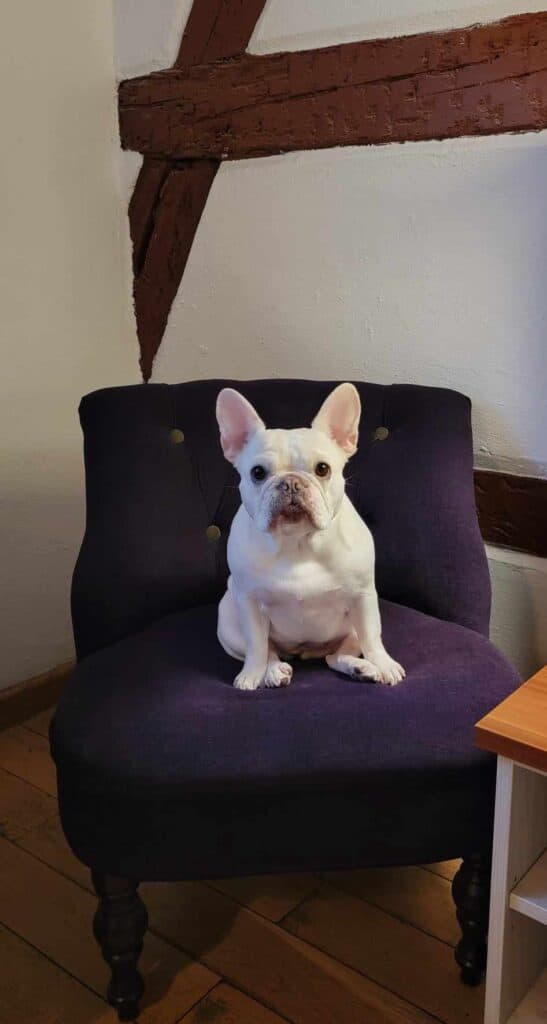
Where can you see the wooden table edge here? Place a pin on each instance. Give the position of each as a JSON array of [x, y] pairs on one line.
[[507, 739], [513, 749]]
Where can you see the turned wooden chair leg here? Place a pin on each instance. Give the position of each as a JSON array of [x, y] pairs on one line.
[[471, 892], [119, 926]]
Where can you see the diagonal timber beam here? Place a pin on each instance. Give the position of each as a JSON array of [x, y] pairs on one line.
[[482, 80], [218, 29], [168, 200], [177, 215]]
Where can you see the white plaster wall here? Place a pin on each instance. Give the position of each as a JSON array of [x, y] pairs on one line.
[[286, 25], [420, 262], [147, 32], [66, 326]]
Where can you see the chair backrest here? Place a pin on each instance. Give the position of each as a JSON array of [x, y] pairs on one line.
[[157, 480]]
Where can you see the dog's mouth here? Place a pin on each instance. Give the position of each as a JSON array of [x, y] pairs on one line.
[[303, 508], [293, 512], [289, 512]]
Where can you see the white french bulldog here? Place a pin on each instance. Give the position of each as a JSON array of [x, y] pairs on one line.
[[301, 558]]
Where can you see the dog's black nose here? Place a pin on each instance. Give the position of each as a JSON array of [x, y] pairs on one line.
[[291, 484]]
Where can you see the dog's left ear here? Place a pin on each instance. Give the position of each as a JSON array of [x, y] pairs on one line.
[[339, 416]]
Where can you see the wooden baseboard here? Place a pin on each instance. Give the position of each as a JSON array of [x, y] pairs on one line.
[[32, 695]]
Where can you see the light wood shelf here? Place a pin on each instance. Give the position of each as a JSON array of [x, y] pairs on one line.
[[529, 897]]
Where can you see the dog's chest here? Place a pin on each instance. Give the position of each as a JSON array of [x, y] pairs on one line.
[[304, 603]]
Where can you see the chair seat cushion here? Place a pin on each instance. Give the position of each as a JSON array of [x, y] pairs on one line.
[[166, 771], [158, 712]]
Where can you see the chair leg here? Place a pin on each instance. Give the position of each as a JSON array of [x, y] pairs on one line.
[[471, 892], [119, 926]]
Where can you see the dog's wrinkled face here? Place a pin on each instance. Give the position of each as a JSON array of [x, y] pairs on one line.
[[291, 480]]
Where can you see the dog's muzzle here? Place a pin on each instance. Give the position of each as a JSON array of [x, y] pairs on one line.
[[291, 498], [292, 487]]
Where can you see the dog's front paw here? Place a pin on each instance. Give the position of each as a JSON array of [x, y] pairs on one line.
[[390, 672], [278, 673], [248, 679]]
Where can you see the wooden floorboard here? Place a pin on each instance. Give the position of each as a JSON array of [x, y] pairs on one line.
[[445, 868], [358, 947], [22, 806], [54, 915], [48, 844], [421, 898], [418, 967], [40, 723], [35, 991], [226, 1005], [272, 896], [26, 754], [276, 968]]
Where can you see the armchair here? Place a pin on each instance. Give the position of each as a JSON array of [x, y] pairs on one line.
[[167, 772]]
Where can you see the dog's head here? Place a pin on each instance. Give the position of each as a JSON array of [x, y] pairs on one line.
[[291, 480]]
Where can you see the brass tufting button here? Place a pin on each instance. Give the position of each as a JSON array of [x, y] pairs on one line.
[[381, 433], [177, 436], [212, 532]]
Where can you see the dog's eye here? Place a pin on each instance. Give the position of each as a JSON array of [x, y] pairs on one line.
[[322, 469], [258, 473]]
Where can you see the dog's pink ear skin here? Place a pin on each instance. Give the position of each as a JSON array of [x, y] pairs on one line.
[[339, 417], [237, 421]]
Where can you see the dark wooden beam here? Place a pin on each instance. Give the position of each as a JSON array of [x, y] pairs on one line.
[[482, 80], [193, 49], [512, 510], [183, 198], [215, 29], [142, 206]]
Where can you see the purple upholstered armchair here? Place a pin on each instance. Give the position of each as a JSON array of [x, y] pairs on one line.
[[165, 771]]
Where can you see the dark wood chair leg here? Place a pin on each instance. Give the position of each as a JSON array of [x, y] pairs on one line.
[[471, 892], [119, 926]]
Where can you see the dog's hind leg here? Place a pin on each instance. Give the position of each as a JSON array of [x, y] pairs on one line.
[[348, 659], [229, 630]]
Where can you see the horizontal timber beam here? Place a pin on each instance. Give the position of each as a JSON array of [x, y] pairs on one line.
[[512, 510], [486, 79]]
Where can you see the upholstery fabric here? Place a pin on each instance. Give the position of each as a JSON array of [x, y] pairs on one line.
[[150, 501], [166, 771], [154, 720]]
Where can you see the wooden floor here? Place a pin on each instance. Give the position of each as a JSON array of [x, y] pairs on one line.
[[365, 947]]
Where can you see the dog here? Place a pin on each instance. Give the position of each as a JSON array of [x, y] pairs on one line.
[[301, 559]]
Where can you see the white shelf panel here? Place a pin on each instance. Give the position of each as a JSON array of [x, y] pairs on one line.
[[529, 897], [533, 1009]]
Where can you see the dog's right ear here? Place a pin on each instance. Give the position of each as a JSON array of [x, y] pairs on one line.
[[238, 421]]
